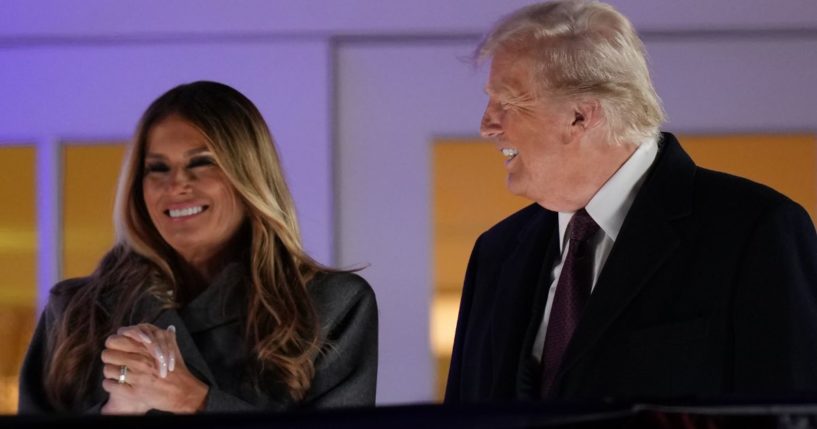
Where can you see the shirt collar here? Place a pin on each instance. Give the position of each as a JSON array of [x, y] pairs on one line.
[[610, 204]]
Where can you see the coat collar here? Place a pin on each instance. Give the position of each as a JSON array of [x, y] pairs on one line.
[[223, 301]]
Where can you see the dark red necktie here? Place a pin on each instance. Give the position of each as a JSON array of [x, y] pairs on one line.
[[572, 292]]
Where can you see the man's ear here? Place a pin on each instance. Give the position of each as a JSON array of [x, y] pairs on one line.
[[587, 114]]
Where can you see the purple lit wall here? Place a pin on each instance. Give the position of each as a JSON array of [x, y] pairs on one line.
[[97, 91], [354, 92]]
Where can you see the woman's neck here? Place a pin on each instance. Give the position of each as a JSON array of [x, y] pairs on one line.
[[196, 272]]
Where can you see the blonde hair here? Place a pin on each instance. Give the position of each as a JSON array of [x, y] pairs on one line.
[[584, 48], [282, 328]]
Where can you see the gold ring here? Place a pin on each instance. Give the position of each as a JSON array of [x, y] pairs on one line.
[[123, 374]]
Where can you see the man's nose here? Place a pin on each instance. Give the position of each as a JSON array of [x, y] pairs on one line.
[[490, 126]]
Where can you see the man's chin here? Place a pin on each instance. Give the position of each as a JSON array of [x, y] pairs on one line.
[[517, 188]]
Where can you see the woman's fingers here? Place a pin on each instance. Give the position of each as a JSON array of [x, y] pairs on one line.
[[172, 347], [163, 350], [135, 332], [159, 343], [135, 361], [124, 343], [121, 374]]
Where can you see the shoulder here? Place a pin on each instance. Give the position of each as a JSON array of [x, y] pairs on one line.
[[739, 188], [334, 293], [518, 220], [528, 220], [728, 193], [733, 209], [62, 293]]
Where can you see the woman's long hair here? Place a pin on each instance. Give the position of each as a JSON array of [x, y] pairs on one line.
[[282, 330]]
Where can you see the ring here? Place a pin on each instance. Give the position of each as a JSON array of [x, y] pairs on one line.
[[123, 373]]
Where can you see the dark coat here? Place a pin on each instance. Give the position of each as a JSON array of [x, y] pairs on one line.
[[209, 332], [709, 290]]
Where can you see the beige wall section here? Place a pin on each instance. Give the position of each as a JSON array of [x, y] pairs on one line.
[[469, 197], [787, 163], [17, 263], [90, 173]]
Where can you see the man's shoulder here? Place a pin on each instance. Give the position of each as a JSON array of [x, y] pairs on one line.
[[720, 189], [517, 223]]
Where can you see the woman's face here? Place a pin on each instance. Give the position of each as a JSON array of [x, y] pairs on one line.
[[187, 195]]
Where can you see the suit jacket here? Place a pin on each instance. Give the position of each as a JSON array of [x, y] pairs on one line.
[[209, 332], [710, 289]]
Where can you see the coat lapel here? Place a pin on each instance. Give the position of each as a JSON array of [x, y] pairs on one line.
[[646, 241], [219, 304], [529, 371], [518, 279]]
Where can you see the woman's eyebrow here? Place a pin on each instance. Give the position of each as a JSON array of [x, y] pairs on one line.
[[188, 153]]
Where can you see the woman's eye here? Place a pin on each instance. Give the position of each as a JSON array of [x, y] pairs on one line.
[[156, 167], [202, 161]]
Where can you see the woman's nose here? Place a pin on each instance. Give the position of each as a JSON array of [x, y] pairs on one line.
[[180, 180]]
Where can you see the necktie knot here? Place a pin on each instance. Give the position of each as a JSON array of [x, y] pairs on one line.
[[582, 226]]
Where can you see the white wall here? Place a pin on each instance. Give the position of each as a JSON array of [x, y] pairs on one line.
[[393, 100], [356, 90]]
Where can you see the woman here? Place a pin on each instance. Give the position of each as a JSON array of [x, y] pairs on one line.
[[207, 302]]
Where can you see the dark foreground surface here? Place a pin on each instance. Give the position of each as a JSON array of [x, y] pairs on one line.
[[733, 414]]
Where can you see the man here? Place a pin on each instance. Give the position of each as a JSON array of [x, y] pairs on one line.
[[635, 274]]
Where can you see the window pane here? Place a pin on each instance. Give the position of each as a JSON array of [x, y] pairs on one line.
[[18, 255], [469, 197], [89, 186]]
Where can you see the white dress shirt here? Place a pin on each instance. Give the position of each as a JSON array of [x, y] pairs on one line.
[[608, 208]]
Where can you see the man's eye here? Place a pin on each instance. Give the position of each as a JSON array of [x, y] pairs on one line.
[[156, 167], [201, 161]]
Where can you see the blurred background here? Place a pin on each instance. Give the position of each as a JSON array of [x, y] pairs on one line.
[[375, 110]]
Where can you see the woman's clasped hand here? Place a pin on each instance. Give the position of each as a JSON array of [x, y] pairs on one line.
[[144, 370]]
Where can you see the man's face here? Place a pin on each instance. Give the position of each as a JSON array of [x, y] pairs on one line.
[[535, 134]]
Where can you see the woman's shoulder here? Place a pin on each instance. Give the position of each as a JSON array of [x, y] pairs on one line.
[[335, 290], [63, 291], [339, 284], [69, 286]]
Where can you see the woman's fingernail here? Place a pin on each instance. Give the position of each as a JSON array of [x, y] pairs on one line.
[[163, 370], [145, 338], [172, 364], [172, 329]]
